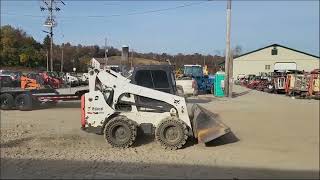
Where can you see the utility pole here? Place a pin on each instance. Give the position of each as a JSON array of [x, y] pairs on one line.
[[51, 35], [105, 51], [47, 60], [50, 6], [228, 61], [131, 58], [62, 57]]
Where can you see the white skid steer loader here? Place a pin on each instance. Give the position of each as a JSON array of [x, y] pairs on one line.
[[111, 106]]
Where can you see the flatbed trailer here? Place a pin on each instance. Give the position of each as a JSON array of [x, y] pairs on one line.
[[29, 99]]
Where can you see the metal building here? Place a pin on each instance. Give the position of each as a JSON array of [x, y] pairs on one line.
[[273, 57]]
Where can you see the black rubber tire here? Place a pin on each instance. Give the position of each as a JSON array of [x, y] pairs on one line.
[[23, 102], [120, 132], [6, 101], [175, 128], [35, 103]]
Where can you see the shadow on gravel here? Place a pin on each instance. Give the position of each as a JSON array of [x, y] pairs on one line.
[[14, 143], [199, 100], [143, 139], [62, 169], [234, 94], [67, 105], [59, 105], [228, 138]]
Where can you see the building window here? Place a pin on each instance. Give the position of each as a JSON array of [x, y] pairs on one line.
[[274, 51], [267, 67]]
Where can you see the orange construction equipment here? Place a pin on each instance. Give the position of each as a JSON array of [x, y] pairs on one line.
[[28, 83], [314, 84], [49, 80], [205, 70], [289, 84]]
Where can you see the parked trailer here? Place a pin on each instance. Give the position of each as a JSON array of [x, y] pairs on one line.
[[29, 99], [297, 84]]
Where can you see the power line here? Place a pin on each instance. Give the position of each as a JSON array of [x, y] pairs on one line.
[[17, 5], [27, 15], [145, 12], [119, 15], [167, 9]]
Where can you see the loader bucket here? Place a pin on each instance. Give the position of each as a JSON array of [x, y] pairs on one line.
[[206, 125]]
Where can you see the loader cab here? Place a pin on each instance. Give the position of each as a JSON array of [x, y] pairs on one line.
[[158, 77]]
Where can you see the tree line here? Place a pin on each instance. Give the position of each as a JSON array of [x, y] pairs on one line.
[[17, 48]]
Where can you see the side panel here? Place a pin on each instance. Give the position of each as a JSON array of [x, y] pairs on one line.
[[146, 117], [96, 109]]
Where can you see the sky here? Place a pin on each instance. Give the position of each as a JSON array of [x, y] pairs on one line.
[[173, 26]]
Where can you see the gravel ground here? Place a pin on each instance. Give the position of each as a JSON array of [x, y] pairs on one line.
[[273, 136]]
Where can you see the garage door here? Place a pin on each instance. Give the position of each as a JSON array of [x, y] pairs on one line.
[[285, 66]]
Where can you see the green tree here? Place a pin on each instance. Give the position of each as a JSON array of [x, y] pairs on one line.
[[17, 48], [24, 58], [8, 48]]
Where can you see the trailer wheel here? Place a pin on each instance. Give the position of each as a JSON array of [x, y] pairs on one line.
[[171, 133], [52, 103], [23, 102], [212, 89], [6, 101], [120, 132]]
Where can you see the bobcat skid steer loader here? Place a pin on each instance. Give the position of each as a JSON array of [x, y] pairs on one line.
[[118, 107]]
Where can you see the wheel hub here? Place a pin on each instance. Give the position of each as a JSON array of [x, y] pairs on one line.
[[21, 102], [4, 101], [171, 134], [119, 133]]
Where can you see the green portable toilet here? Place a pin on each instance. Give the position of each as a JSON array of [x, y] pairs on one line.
[[219, 84]]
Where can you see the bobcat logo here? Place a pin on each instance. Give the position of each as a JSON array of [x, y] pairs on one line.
[[97, 109], [176, 101]]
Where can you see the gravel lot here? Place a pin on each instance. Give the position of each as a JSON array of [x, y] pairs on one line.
[[273, 136]]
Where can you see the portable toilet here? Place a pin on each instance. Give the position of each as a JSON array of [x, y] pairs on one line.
[[219, 84]]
